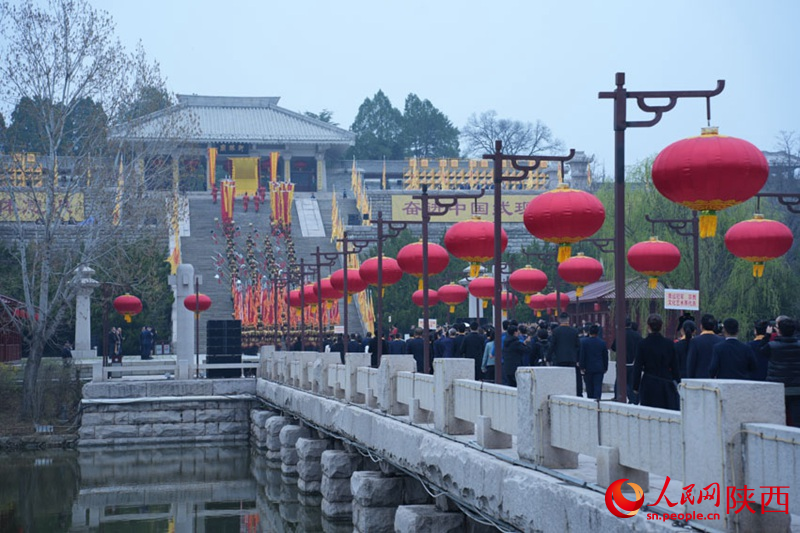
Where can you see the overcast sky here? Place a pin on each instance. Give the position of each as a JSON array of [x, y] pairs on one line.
[[527, 60]]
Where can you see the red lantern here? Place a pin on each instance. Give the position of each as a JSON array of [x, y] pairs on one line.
[[410, 259], [197, 303], [710, 173], [580, 271], [310, 295], [128, 305], [354, 282], [564, 216], [329, 294], [528, 281], [391, 271], [452, 295], [433, 298], [654, 258], [538, 303], [294, 298], [482, 288], [508, 300], [551, 301], [473, 241], [758, 240]]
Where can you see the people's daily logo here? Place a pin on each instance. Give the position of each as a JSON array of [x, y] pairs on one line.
[[621, 506]]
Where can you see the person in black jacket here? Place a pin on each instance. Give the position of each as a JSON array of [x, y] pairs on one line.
[[732, 359], [657, 360], [632, 339], [698, 360], [761, 338], [593, 362], [564, 348], [472, 347], [416, 347], [688, 330], [514, 351], [784, 367]]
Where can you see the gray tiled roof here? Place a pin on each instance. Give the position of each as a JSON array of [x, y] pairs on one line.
[[238, 119], [635, 289]]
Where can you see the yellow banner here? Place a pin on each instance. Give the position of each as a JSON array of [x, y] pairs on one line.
[[212, 164], [406, 209], [31, 205], [245, 174]]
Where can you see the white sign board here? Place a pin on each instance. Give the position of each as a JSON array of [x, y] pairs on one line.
[[431, 323], [682, 299], [338, 330]]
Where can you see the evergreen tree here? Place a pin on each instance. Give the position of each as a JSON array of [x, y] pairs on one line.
[[378, 127], [427, 132]]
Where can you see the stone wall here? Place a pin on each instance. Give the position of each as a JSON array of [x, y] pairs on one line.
[[165, 412]]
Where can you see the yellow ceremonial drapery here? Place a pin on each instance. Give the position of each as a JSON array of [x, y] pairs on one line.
[[212, 163], [273, 165], [245, 175]]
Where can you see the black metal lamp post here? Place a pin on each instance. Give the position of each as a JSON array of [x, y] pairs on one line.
[[526, 164], [330, 261], [685, 227], [620, 97]]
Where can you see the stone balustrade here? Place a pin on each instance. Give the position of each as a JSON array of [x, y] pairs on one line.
[[727, 432]]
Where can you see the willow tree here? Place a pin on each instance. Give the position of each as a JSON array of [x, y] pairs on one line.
[[81, 196]]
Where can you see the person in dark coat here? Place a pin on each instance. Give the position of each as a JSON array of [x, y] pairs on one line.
[[542, 349], [458, 340], [632, 339], [416, 347], [761, 338], [449, 343], [353, 346], [732, 359], [698, 360], [472, 347], [688, 330], [146, 343], [564, 349], [593, 362], [397, 346], [338, 347], [783, 354], [514, 352], [655, 369], [372, 348]]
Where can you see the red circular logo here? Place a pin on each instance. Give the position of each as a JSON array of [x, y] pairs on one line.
[[618, 504]]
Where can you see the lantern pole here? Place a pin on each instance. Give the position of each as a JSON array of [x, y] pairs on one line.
[[685, 227], [790, 201], [196, 328], [620, 97], [330, 260], [443, 202], [526, 164]]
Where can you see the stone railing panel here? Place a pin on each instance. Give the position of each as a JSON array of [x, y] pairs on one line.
[[573, 423], [772, 459]]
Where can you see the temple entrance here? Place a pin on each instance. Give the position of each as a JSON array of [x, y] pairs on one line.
[[304, 174], [245, 175]]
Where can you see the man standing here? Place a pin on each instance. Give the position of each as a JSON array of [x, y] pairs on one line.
[[784, 366], [593, 362], [514, 352], [732, 359], [397, 346], [564, 348], [416, 347], [472, 347], [632, 340], [146, 343], [698, 360], [756, 344]]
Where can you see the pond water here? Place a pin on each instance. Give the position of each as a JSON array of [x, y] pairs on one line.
[[202, 489]]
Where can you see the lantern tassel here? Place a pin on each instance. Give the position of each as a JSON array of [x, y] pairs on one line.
[[349, 299], [538, 314], [527, 298], [579, 292], [758, 269], [564, 252], [485, 303], [652, 283], [708, 224], [452, 309], [419, 285], [474, 270], [128, 319]]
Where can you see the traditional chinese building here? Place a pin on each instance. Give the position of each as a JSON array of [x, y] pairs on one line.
[[247, 139]]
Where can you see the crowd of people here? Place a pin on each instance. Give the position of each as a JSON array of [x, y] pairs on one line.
[[655, 364]]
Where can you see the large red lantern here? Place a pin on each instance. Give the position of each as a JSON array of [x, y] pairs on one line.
[[580, 271], [329, 294], [508, 300], [564, 216], [294, 298], [354, 282], [482, 288], [551, 300], [473, 241], [452, 295], [433, 298], [309, 295], [758, 240], [654, 258], [538, 303], [710, 173], [391, 271], [197, 303], [528, 281], [128, 305], [410, 259]]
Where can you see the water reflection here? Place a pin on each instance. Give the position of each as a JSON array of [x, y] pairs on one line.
[[187, 489]]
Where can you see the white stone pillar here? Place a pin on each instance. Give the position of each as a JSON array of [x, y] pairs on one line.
[[83, 313], [184, 337], [713, 416], [322, 173], [387, 382], [535, 385], [445, 373], [351, 362]]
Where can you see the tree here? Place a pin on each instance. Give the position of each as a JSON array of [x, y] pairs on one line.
[[24, 133], [62, 60], [378, 127], [427, 132], [326, 115], [518, 137]]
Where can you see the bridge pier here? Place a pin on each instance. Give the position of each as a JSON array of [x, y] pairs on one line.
[[258, 429], [427, 519], [289, 435], [337, 468], [273, 427], [309, 464]]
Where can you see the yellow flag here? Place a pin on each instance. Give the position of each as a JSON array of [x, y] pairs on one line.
[[383, 177], [588, 174]]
